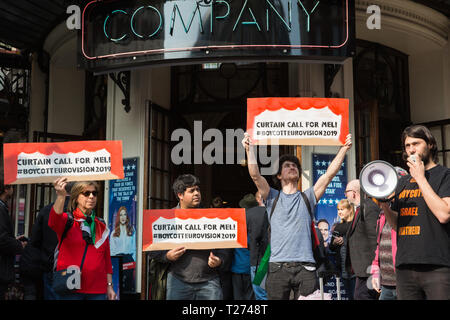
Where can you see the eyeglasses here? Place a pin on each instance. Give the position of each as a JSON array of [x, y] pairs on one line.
[[88, 193], [349, 191]]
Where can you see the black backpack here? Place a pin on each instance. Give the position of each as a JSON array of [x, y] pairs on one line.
[[31, 264], [323, 264], [69, 224]]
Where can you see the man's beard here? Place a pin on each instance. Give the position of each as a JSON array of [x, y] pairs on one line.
[[426, 157]]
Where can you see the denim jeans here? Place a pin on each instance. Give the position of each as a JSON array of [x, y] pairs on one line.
[[181, 290], [49, 293], [388, 293], [260, 293]]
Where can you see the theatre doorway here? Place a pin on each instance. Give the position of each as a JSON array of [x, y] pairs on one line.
[[382, 108], [214, 96]]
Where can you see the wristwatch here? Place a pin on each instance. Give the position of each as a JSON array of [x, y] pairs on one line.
[[110, 284]]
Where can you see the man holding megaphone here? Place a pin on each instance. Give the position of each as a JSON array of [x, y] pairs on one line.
[[420, 213]]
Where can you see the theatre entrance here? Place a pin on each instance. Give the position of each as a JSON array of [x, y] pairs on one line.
[[209, 104], [382, 109]]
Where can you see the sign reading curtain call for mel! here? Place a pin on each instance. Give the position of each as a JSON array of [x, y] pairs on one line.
[[194, 229], [77, 160], [298, 121]]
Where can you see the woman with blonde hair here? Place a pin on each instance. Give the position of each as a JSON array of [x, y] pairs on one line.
[[338, 244], [86, 242]]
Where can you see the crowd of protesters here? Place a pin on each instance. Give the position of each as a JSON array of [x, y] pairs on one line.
[[379, 249]]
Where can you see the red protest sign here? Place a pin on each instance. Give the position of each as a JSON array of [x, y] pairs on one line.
[[298, 121], [194, 229], [77, 160]]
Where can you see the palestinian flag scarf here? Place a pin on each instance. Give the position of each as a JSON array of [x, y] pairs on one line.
[[93, 229]]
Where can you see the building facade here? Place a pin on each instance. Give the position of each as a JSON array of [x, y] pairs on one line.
[[398, 74]]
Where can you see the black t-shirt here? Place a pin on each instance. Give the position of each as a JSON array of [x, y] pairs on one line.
[[421, 238]]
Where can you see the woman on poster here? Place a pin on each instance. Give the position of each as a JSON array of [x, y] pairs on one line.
[[123, 244], [123, 237]]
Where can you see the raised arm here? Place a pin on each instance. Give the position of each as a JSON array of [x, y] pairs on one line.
[[60, 185], [253, 170], [333, 169], [440, 207]]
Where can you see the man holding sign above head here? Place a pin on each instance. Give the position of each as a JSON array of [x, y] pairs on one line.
[[291, 265], [193, 274]]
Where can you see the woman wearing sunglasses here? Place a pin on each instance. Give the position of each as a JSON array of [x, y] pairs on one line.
[[88, 237]]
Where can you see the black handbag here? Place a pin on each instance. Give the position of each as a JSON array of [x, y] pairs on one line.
[[30, 264], [67, 280]]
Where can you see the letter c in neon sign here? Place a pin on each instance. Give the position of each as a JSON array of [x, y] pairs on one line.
[[105, 23]]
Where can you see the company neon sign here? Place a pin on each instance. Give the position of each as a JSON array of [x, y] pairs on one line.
[[154, 20]]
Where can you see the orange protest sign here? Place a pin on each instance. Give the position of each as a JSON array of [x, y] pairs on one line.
[[77, 160], [194, 229], [298, 121]]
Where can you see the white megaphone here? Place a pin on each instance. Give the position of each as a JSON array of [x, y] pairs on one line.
[[378, 179]]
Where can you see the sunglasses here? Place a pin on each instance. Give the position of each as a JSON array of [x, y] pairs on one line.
[[88, 193]]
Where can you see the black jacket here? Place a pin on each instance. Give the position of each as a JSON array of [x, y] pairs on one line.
[[362, 238], [9, 246], [257, 233], [38, 255], [44, 238]]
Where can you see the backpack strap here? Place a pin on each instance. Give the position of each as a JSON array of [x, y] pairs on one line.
[[271, 213], [69, 224], [308, 205], [314, 236], [274, 204], [84, 256]]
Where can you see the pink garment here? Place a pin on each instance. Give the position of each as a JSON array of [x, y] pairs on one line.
[[375, 268]]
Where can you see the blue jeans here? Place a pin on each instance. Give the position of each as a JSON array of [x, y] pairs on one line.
[[180, 290], [49, 293], [260, 293], [388, 293], [83, 296]]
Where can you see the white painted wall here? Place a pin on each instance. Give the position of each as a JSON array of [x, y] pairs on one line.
[[37, 98], [67, 83], [66, 101], [146, 84]]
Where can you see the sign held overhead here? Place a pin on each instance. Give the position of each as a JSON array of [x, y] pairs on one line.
[[297, 121], [77, 160]]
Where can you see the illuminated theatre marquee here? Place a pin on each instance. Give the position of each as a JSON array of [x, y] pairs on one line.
[[119, 33]]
